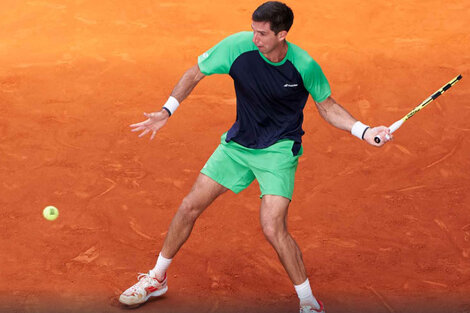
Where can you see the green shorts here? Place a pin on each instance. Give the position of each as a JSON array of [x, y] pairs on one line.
[[235, 167]]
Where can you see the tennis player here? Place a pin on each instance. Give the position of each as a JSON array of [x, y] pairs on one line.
[[273, 79]]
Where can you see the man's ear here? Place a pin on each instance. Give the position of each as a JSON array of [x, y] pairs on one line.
[[281, 35]]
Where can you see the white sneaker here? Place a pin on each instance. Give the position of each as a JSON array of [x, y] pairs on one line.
[[309, 309], [147, 286]]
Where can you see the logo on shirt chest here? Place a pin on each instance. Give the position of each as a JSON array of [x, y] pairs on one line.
[[290, 85]]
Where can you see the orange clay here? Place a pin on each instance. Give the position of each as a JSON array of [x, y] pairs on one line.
[[380, 229]]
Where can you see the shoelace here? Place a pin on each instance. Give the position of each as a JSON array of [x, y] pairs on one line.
[[143, 278], [143, 275]]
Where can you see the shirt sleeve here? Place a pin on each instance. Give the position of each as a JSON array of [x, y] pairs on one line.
[[219, 59], [315, 81]]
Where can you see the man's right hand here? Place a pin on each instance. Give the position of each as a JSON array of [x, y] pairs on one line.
[[154, 122]]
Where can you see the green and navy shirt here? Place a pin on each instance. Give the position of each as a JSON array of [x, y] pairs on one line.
[[270, 96]]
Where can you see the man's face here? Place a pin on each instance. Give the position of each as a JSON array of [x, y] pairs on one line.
[[264, 38]]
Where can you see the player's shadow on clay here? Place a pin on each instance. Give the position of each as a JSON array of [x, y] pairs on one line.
[[115, 302]]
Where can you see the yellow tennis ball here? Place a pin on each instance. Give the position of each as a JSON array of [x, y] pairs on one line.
[[50, 213]]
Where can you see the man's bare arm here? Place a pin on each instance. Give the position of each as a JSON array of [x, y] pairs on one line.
[[187, 82], [336, 115], [183, 88]]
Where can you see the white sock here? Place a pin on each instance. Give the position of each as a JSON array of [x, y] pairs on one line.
[[304, 292], [162, 265]]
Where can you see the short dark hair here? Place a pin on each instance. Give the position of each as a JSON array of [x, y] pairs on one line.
[[278, 14]]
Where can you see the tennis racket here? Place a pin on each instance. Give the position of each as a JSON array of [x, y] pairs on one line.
[[433, 97]]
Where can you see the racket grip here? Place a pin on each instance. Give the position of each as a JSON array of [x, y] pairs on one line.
[[392, 128], [377, 138]]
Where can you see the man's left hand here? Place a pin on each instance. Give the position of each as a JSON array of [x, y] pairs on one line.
[[382, 131]]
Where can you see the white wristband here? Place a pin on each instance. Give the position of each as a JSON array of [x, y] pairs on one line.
[[171, 105], [359, 130]]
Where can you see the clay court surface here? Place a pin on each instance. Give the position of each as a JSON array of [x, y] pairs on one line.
[[381, 230]]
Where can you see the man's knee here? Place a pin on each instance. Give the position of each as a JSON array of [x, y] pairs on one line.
[[188, 209], [273, 230]]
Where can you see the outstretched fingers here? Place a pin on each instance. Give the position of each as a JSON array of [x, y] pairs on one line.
[[145, 132], [137, 128], [140, 124], [153, 123]]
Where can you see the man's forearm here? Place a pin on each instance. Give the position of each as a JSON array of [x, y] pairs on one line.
[[186, 84], [335, 114]]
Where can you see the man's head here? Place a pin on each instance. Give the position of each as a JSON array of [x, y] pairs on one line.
[[271, 22], [278, 14]]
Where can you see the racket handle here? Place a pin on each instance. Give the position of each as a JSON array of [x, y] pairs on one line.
[[377, 138], [392, 128]]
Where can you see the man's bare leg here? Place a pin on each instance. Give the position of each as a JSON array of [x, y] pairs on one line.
[[205, 190], [273, 218]]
